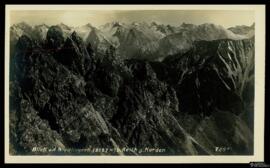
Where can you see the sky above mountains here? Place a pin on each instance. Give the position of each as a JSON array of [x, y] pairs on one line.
[[226, 18]]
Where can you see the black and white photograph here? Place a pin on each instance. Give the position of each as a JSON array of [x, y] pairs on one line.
[[123, 81]]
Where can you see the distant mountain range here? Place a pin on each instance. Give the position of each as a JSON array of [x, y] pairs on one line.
[[149, 41]]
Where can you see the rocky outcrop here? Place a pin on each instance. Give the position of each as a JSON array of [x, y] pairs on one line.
[[54, 38], [66, 95], [51, 104]]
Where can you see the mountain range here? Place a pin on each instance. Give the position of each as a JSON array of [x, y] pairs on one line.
[[106, 89], [149, 41]]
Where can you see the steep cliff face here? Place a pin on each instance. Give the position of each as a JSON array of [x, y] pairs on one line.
[[216, 80], [98, 41], [216, 72], [51, 101], [65, 94]]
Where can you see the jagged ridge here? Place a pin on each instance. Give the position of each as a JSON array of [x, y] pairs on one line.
[[74, 97]]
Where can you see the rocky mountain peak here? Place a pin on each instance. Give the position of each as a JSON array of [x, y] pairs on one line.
[[55, 38], [43, 25], [187, 25], [88, 25], [64, 26], [253, 25], [74, 36], [117, 24], [23, 25], [24, 44], [153, 23]]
